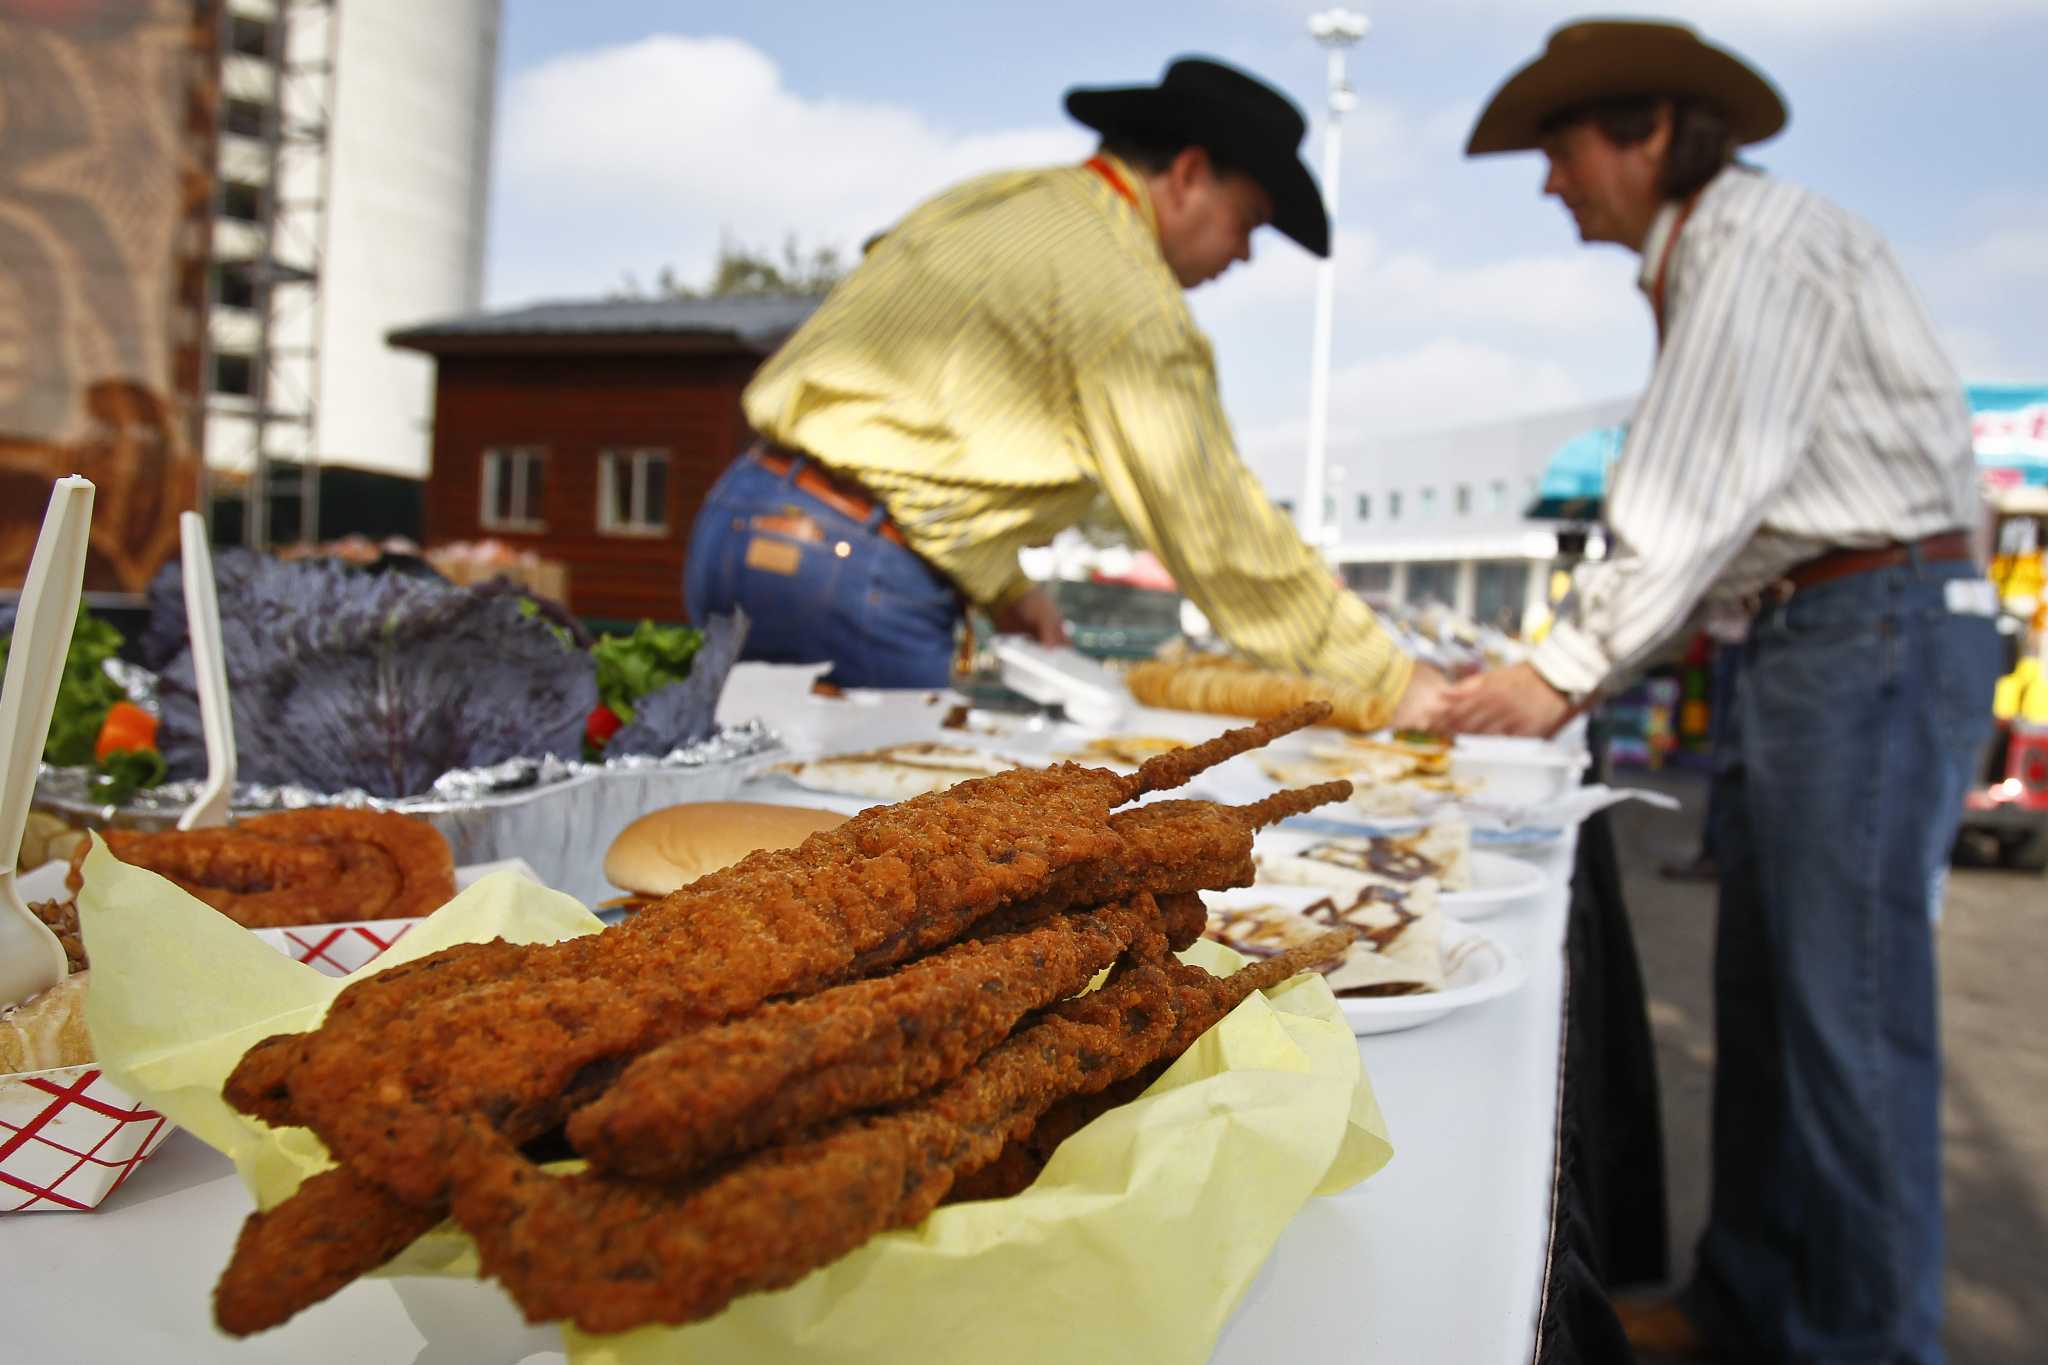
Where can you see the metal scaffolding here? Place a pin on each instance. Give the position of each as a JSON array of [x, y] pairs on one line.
[[271, 199]]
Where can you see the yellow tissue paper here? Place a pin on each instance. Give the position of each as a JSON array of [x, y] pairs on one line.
[[1134, 1244]]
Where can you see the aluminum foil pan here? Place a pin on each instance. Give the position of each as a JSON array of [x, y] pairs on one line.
[[559, 816]]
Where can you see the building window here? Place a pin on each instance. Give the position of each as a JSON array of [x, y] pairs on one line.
[[1427, 508], [250, 37], [1464, 499], [243, 118], [1286, 506], [1500, 495], [1365, 507], [232, 288], [1394, 505], [241, 201], [1433, 582], [1369, 579], [1498, 590], [632, 492], [512, 489], [234, 373]]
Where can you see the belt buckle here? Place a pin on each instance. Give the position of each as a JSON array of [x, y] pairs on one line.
[[1775, 593]]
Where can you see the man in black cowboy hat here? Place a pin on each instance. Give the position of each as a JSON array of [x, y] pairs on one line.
[[1012, 349], [1803, 448]]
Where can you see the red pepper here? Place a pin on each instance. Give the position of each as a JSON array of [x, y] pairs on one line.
[[600, 725], [127, 726]]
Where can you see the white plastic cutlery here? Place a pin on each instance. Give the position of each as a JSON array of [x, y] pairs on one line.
[[31, 959], [216, 717]]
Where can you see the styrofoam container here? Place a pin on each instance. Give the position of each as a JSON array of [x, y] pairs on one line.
[[1091, 695], [1516, 772]]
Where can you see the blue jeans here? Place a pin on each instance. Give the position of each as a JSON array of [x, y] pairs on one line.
[[817, 585], [1861, 708]]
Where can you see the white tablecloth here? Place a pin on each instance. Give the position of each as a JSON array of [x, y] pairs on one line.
[[1439, 1257]]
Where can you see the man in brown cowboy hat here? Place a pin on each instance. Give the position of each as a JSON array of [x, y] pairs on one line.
[[1011, 349], [1803, 448]]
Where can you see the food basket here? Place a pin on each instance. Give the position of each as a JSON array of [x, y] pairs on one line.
[[68, 1138], [1135, 1243]]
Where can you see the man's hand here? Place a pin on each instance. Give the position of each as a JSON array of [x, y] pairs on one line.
[[1034, 615], [1505, 701], [1422, 701]]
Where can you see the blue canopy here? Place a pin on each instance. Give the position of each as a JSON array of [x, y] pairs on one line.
[[1575, 480], [2008, 423]]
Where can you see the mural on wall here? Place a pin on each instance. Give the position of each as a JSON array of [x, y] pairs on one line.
[[107, 118]]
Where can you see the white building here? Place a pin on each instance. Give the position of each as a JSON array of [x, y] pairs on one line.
[[1441, 515], [354, 154]]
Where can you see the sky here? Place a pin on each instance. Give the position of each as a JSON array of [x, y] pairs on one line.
[[634, 135]]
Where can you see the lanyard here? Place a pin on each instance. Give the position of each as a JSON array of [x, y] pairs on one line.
[[1116, 182], [1664, 263]]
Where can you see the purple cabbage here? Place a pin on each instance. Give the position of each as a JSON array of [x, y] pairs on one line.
[[343, 679]]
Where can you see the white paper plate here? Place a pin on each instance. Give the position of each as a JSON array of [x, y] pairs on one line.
[[1476, 969], [1498, 883]]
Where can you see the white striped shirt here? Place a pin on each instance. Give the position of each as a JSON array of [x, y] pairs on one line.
[[1800, 403]]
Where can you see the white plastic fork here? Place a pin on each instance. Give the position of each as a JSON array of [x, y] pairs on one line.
[[209, 665], [31, 959]]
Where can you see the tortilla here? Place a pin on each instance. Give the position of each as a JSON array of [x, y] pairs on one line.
[[897, 773], [1397, 933]]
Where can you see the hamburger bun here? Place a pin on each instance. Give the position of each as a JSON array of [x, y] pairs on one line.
[[673, 846], [46, 1030]]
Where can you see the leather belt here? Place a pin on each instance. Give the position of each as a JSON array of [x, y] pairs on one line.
[[838, 492], [1937, 548]]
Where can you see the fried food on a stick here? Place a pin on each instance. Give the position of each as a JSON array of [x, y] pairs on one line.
[[250, 1298], [614, 1254], [335, 1228], [759, 1079], [318, 866], [1029, 1148]]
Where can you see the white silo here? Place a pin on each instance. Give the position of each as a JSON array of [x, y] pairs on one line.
[[378, 149]]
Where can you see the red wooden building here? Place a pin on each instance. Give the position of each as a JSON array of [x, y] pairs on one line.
[[590, 433]]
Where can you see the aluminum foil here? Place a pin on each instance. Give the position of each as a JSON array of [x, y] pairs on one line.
[[560, 816]]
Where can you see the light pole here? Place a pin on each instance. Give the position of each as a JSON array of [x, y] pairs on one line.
[[1337, 30]]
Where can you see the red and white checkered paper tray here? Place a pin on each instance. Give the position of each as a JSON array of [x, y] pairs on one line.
[[68, 1138], [338, 949]]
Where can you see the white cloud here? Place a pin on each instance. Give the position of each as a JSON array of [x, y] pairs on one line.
[[1444, 382], [1812, 18], [1577, 293], [647, 154]]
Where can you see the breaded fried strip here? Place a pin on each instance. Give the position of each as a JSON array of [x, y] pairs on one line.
[[334, 1228], [1025, 1155], [734, 1087], [614, 1254]]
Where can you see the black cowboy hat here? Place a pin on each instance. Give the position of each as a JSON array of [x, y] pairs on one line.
[[1600, 59], [1243, 122]]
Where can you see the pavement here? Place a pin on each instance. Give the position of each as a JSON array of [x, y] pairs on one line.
[[1994, 970]]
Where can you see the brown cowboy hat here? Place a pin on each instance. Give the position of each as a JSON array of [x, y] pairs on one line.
[[1244, 123], [1602, 59]]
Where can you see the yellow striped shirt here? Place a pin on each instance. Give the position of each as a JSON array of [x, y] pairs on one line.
[[1018, 342]]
